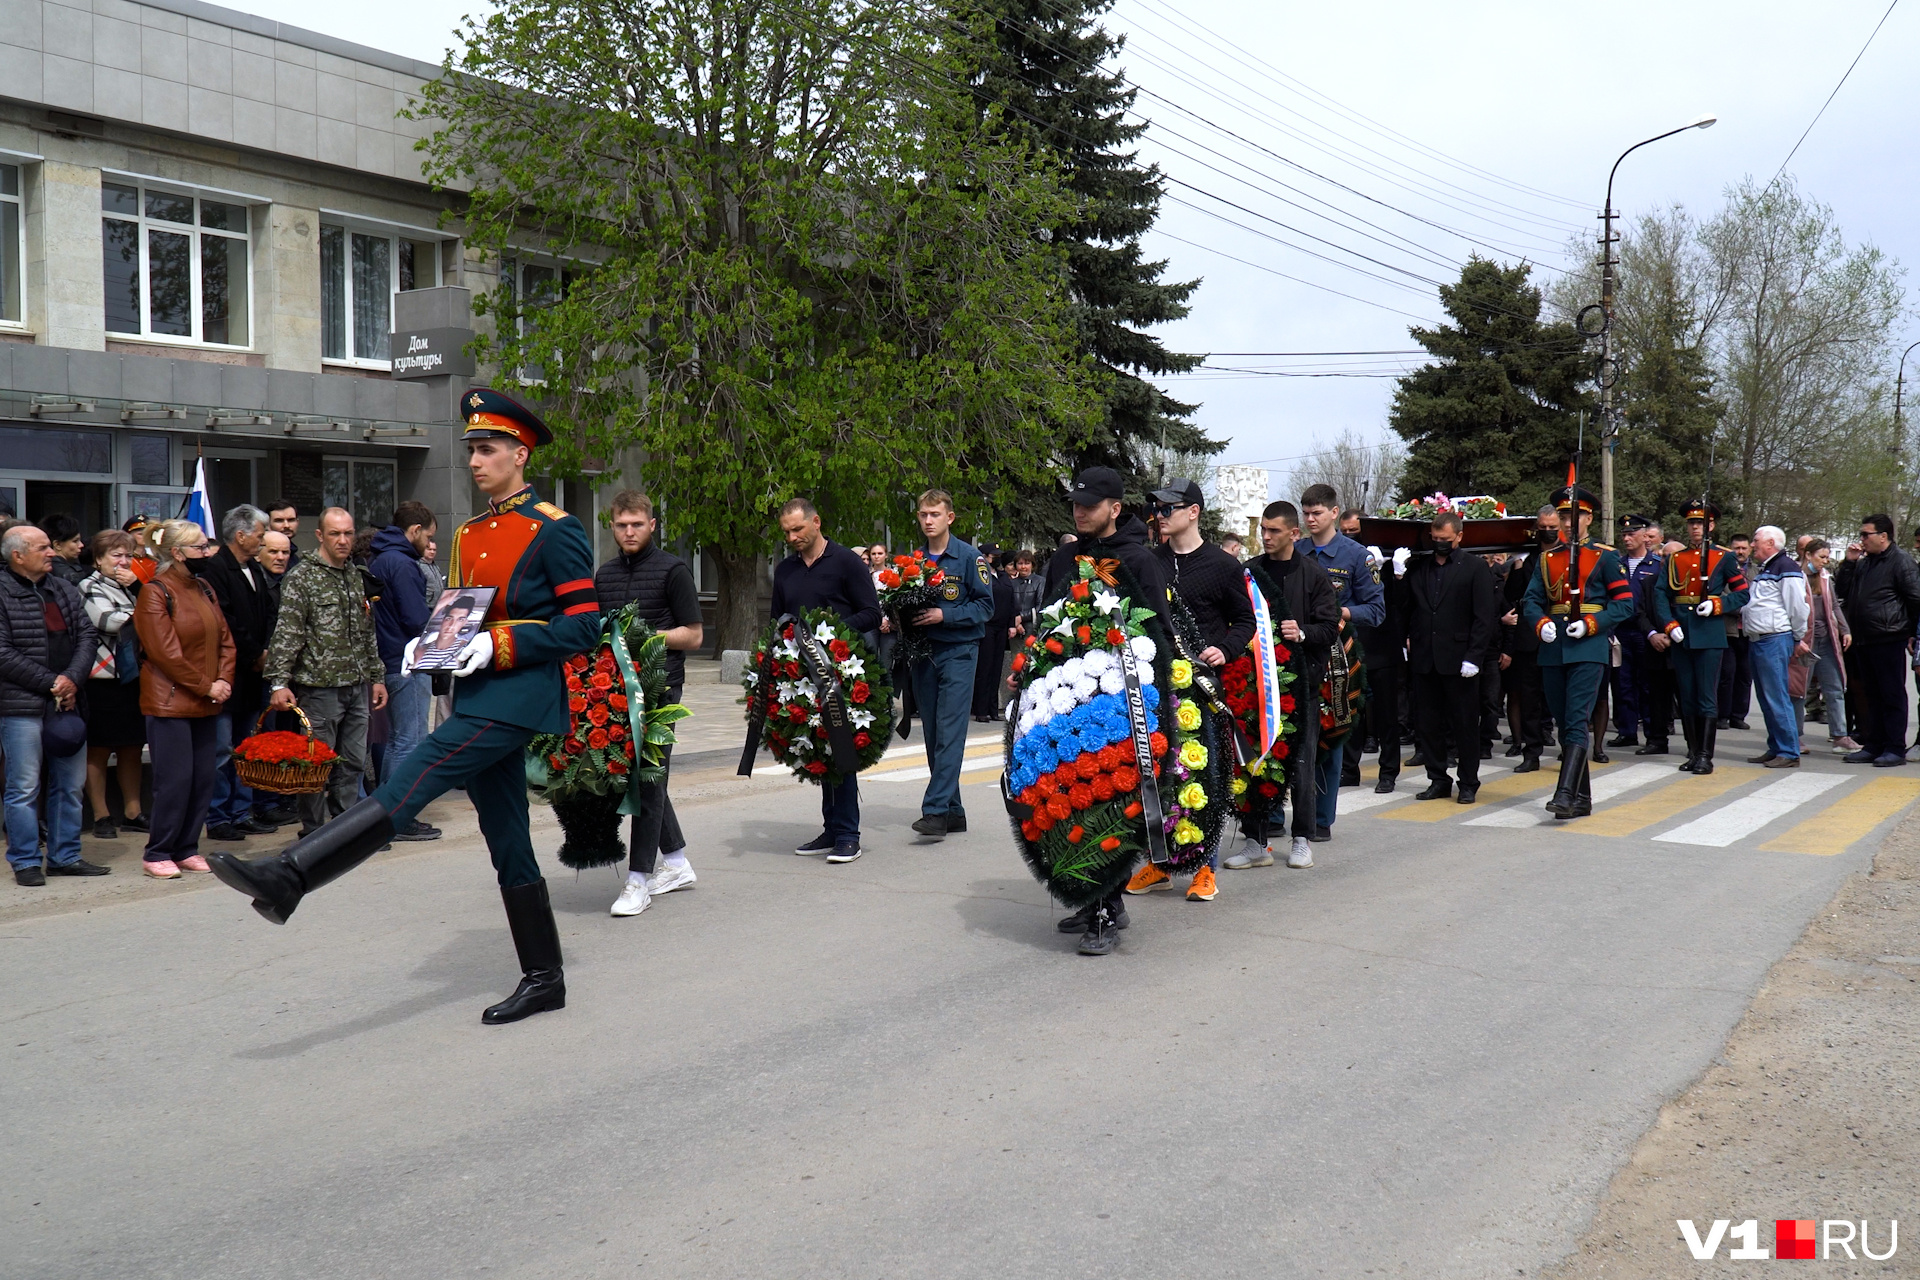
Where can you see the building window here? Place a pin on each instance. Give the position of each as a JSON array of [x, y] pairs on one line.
[[359, 274], [368, 487], [78, 451], [13, 309], [177, 266], [147, 458]]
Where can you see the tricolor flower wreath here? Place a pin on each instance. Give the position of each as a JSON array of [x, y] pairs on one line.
[[794, 732], [1072, 778], [621, 725]]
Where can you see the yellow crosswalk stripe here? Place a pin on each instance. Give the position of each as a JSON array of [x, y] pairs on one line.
[[1502, 788], [1841, 823], [1640, 811]]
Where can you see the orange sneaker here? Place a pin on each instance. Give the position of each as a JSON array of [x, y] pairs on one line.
[[1203, 888], [1148, 878]]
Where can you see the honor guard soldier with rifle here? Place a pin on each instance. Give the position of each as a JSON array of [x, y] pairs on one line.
[[1701, 587], [1576, 599], [508, 688]]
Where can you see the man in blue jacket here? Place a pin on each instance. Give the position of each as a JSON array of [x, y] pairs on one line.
[[399, 615], [943, 681], [1363, 603]]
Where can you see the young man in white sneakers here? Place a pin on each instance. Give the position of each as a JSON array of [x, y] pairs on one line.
[[662, 585], [1301, 595]]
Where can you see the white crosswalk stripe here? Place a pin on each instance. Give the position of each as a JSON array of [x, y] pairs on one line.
[[1747, 814], [1359, 802], [1605, 787]]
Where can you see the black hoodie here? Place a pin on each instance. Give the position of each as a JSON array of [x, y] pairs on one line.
[[1128, 545]]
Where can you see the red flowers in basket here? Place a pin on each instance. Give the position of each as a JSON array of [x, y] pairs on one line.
[[283, 747]]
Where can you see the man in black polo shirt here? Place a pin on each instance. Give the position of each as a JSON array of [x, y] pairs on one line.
[[662, 584], [825, 575], [1213, 587]]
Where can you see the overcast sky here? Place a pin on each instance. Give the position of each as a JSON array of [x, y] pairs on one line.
[[1448, 126]]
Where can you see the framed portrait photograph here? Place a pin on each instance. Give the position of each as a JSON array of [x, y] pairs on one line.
[[456, 619]]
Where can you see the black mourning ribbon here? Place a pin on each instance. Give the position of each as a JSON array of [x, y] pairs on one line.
[[1150, 812], [826, 687], [1208, 685]]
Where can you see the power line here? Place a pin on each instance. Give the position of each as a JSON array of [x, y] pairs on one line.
[[1836, 93], [1305, 90], [1259, 266]]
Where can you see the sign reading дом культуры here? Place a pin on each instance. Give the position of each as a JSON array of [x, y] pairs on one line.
[[432, 353]]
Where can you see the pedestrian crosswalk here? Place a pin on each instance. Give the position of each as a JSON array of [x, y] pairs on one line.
[[1734, 805]]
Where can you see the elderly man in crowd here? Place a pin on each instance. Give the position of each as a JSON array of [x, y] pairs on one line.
[[240, 585], [324, 660], [46, 648], [1775, 619]]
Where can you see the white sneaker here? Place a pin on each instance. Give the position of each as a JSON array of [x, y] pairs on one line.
[[667, 877], [1252, 854], [633, 899], [1301, 856]]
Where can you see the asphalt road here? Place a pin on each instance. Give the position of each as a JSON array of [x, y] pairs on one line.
[[1425, 1057]]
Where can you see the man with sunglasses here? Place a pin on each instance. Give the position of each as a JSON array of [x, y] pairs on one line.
[[1213, 587]]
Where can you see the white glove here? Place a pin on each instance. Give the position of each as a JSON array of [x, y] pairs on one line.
[[1677, 635], [406, 657], [477, 654], [1548, 633], [1704, 608], [1374, 557], [1468, 670], [1400, 559], [1577, 629]]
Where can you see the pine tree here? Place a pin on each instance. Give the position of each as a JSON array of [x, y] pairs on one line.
[[1042, 63], [1671, 415], [1498, 413]]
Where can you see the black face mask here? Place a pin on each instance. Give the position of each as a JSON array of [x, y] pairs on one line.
[[1545, 537], [199, 565], [1442, 548]]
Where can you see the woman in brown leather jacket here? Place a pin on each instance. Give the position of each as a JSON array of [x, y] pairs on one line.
[[186, 674]]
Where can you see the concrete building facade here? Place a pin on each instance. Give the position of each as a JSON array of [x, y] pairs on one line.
[[216, 242]]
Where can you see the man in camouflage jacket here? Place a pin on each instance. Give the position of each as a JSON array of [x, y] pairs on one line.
[[324, 660]]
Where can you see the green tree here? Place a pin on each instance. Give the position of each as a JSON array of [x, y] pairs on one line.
[[1803, 342], [1041, 70], [797, 264], [1497, 410]]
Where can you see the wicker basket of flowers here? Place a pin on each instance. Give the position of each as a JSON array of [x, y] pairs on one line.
[[284, 762]]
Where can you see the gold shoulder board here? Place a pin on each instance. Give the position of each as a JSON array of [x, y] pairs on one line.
[[548, 510]]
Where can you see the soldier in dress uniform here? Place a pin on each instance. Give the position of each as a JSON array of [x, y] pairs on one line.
[[1701, 587], [1653, 683], [508, 687], [1576, 598]]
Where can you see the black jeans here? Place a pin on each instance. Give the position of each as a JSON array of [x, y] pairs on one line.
[[1526, 702], [1880, 694], [1383, 713], [183, 776], [1448, 707], [656, 827]]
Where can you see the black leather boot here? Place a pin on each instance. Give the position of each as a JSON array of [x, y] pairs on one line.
[[1583, 792], [1573, 761], [277, 884], [1709, 730], [1690, 725], [537, 939]]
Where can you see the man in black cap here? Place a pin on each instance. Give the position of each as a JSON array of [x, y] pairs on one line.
[[508, 688], [1104, 533], [1213, 587]]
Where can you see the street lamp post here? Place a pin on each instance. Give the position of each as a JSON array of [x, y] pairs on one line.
[[1606, 370], [1899, 384]]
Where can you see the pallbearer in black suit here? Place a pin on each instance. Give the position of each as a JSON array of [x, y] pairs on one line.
[[1451, 634]]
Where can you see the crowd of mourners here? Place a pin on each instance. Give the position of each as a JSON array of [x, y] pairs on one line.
[[154, 644], [132, 661]]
